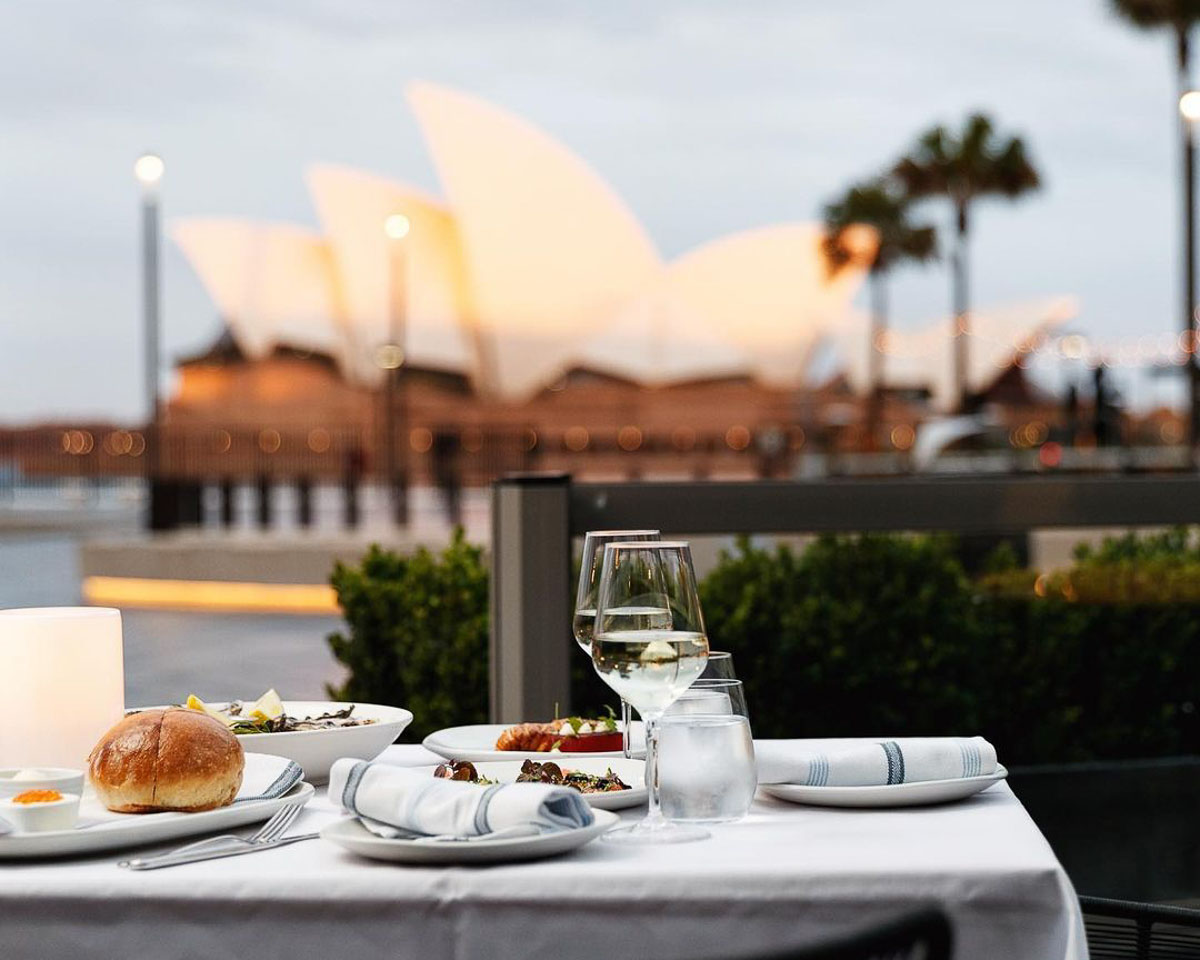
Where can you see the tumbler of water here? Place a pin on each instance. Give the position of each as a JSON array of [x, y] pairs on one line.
[[706, 767]]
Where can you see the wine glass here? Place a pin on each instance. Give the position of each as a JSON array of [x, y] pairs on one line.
[[585, 601], [649, 645]]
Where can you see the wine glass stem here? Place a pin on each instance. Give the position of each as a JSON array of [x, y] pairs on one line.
[[627, 727], [654, 815]]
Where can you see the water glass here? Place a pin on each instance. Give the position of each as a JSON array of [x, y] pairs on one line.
[[719, 666], [706, 771], [712, 696]]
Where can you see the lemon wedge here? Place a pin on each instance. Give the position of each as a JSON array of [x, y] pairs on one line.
[[267, 707], [193, 702], [659, 651]]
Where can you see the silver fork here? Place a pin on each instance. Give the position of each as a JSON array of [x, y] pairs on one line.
[[271, 830]]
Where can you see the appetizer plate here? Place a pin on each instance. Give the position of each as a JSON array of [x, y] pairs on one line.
[[478, 743], [632, 772], [356, 838], [316, 750], [917, 794], [102, 830]]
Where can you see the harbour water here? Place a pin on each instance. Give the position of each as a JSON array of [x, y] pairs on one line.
[[169, 654]]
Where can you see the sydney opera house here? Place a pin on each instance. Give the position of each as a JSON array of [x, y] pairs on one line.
[[525, 318]]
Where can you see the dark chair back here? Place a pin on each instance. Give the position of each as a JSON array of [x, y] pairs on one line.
[[1125, 930], [920, 935]]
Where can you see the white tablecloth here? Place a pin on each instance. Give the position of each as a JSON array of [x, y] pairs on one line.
[[782, 877]]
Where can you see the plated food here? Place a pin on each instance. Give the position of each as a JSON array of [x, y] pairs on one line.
[[607, 783], [534, 772], [99, 829], [572, 735], [166, 759], [477, 742], [268, 714]]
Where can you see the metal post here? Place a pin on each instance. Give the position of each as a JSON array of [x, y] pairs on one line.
[[304, 511], [264, 501], [1187, 129], [395, 420], [531, 598], [159, 502]]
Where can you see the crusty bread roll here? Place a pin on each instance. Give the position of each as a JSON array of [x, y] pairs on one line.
[[173, 759]]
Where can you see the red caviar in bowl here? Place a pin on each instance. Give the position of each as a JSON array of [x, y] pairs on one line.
[[37, 796]]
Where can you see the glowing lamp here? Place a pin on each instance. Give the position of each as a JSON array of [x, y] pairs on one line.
[[1189, 105], [62, 683], [396, 226], [149, 169]]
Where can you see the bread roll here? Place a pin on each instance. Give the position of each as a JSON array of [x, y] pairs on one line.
[[173, 759]]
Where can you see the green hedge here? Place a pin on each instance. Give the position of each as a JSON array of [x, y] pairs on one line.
[[417, 634], [853, 636]]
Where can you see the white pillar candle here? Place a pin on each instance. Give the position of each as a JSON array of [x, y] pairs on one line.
[[62, 683]]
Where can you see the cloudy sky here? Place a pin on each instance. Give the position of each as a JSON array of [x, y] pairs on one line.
[[707, 117]]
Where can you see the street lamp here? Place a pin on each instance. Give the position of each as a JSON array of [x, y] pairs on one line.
[[391, 358], [1189, 112], [149, 169]]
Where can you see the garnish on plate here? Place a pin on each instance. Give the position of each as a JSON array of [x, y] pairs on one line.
[[534, 772], [267, 715]]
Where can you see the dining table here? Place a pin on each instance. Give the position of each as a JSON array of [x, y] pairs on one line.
[[782, 877]]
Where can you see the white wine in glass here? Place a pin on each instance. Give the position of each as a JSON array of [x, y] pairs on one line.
[[649, 645], [585, 601]]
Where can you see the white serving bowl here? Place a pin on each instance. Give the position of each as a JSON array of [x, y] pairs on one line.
[[39, 817], [62, 779], [316, 750]]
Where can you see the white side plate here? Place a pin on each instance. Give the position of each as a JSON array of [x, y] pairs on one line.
[[632, 772], [895, 795], [356, 838], [478, 742], [120, 831]]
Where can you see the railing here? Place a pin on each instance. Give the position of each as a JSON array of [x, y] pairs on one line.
[[535, 517]]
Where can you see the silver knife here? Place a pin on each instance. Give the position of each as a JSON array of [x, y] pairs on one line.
[[195, 856]]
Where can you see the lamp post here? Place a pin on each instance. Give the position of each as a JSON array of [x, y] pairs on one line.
[[391, 358], [149, 170], [1189, 111]]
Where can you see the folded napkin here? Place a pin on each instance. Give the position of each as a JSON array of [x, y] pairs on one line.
[[267, 778], [399, 802], [872, 763]]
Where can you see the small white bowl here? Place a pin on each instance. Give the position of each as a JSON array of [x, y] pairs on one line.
[[39, 817], [62, 779]]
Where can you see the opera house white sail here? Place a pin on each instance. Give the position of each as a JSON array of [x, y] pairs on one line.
[[924, 357], [530, 266]]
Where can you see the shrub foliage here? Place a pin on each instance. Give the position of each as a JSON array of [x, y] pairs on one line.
[[416, 633], [853, 636]]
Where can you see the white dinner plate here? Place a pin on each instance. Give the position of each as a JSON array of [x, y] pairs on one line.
[[478, 742], [632, 772], [356, 838], [916, 794], [316, 750], [102, 829]]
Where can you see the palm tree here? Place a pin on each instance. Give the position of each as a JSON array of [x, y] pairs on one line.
[[881, 205], [963, 167], [1179, 16]]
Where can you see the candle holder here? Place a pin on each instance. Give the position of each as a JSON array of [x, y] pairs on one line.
[[62, 683]]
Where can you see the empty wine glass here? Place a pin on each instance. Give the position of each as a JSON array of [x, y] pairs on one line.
[[585, 602], [707, 695], [649, 645]]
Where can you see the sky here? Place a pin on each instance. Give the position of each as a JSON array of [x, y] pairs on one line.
[[707, 117]]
